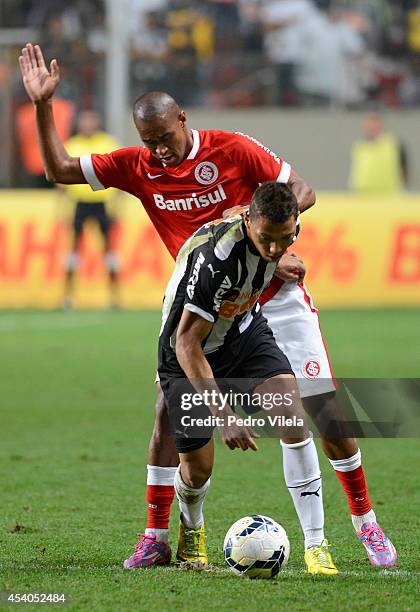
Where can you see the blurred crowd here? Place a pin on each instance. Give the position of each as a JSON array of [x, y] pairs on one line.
[[351, 53], [280, 52], [71, 31]]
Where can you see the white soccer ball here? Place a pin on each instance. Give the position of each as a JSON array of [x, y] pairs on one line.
[[256, 547]]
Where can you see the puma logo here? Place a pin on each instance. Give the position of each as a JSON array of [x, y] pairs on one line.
[[213, 272], [306, 493]]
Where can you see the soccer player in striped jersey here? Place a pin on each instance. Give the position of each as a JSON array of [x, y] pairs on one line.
[[213, 330]]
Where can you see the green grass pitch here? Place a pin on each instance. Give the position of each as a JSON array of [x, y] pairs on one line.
[[77, 399]]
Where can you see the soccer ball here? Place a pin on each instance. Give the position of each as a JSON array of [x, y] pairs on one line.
[[256, 547]]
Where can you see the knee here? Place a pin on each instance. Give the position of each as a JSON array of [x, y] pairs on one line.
[[328, 416], [195, 476]]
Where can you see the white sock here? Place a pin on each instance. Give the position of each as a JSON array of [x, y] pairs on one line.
[[157, 475], [348, 465], [162, 535], [358, 521], [190, 501], [303, 479]]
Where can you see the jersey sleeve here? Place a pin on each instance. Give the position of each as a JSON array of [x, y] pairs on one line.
[[257, 160], [206, 287], [116, 169]]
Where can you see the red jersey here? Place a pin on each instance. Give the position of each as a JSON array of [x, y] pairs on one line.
[[222, 170]]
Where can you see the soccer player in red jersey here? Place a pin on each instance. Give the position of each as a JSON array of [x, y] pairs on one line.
[[184, 178]]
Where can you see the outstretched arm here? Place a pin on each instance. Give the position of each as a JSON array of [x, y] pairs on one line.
[[40, 84]]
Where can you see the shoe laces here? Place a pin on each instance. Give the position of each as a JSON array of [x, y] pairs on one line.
[[375, 538], [321, 553], [191, 538], [143, 541]]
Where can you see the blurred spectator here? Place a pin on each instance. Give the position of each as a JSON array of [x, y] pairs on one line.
[[139, 11], [409, 89], [149, 53], [97, 37], [90, 205], [150, 42], [13, 14], [226, 17], [330, 50], [190, 45], [38, 13], [282, 23], [379, 162], [413, 28], [251, 27]]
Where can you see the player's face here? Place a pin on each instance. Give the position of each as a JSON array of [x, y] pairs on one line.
[[167, 139], [270, 239]]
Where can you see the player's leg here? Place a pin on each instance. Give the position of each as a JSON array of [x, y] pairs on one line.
[[301, 468], [302, 475], [162, 463], [163, 460], [346, 459], [257, 357], [111, 257], [72, 261], [303, 479], [295, 324]]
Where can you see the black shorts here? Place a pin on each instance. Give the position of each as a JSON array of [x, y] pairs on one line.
[[251, 359], [91, 210]]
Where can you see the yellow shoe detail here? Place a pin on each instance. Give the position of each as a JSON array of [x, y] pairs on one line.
[[319, 561], [192, 545]]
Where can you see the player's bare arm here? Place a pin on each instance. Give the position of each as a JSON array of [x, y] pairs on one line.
[[192, 331], [40, 84], [304, 193]]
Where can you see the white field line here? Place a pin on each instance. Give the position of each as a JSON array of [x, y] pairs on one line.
[[386, 573]]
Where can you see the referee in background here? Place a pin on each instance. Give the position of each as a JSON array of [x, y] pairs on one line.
[[90, 205]]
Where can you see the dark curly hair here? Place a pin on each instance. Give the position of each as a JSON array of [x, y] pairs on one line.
[[275, 201]]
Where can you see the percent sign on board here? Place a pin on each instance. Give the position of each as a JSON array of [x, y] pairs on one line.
[[328, 253]]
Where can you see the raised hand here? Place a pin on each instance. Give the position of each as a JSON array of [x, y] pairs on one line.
[[40, 84]]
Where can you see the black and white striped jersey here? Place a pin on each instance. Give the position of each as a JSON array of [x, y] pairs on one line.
[[218, 275]]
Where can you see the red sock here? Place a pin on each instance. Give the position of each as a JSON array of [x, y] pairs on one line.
[[159, 500], [355, 487]]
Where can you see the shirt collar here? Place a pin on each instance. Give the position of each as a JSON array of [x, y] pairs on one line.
[[196, 144]]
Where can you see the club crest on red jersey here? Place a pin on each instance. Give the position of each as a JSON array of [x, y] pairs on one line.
[[206, 173]]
